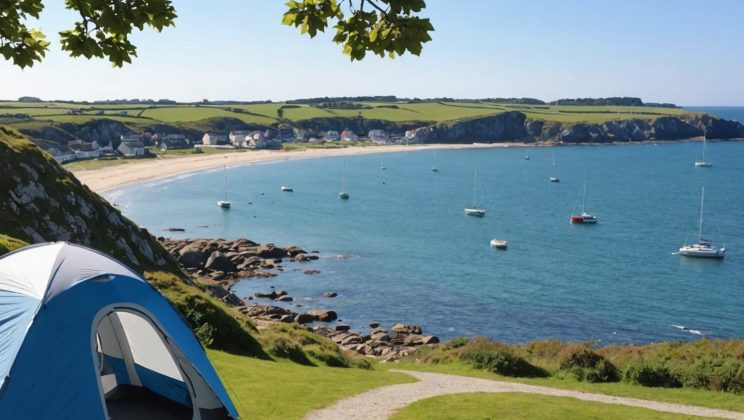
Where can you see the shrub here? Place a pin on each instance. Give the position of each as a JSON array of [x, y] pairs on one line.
[[329, 358], [644, 373], [587, 365], [498, 358], [457, 342], [283, 348]]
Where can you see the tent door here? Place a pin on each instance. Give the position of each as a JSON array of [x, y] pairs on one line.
[[140, 375]]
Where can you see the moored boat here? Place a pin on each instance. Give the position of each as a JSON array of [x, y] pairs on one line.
[[704, 248]]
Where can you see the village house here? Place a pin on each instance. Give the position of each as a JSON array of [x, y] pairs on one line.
[[130, 137], [131, 148], [174, 141], [348, 135], [60, 155], [214, 139], [378, 136], [239, 137], [331, 135], [84, 149]]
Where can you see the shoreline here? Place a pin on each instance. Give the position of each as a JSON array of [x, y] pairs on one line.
[[113, 177], [117, 176]]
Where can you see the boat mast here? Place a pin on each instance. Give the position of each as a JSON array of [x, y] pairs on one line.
[[700, 228], [583, 199], [225, 191], [343, 177], [475, 178]]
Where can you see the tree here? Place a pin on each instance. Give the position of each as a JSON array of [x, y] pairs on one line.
[[386, 27]]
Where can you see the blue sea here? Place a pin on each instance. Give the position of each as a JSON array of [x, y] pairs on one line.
[[411, 255]]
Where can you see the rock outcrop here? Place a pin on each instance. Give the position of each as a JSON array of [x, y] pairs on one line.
[[515, 127], [43, 202]]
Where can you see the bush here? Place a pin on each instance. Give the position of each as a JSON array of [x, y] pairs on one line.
[[587, 365], [643, 373], [498, 358], [286, 349], [457, 342], [717, 374]]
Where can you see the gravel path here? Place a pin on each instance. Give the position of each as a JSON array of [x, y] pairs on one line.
[[381, 403]]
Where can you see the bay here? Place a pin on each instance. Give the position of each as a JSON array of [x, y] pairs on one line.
[[411, 255]]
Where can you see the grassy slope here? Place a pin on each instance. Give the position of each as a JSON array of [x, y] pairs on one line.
[[284, 390], [521, 406], [405, 112], [703, 398]]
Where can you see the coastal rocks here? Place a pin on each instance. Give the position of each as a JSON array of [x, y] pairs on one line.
[[310, 271], [218, 261], [322, 315], [379, 344], [271, 251], [224, 259], [330, 294], [406, 329]]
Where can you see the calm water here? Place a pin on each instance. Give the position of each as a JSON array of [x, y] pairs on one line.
[[415, 257]]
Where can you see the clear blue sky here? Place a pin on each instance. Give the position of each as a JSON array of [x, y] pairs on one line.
[[690, 52]]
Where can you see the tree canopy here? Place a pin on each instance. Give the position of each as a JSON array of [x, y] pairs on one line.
[[383, 27]]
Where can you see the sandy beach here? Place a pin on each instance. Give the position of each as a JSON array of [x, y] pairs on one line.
[[115, 176]]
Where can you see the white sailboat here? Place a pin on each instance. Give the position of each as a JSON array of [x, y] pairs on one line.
[[704, 248], [224, 203], [382, 164], [702, 163], [434, 167], [554, 177], [474, 210], [343, 194], [584, 217]]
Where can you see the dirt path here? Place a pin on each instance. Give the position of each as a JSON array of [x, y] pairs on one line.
[[381, 403]]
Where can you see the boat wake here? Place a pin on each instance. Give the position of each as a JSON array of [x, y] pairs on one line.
[[689, 330]]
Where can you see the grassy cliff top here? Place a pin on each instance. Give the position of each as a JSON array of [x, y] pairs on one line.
[[269, 113]]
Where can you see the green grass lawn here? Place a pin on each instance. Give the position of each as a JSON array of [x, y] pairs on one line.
[[284, 390], [703, 398], [521, 406]]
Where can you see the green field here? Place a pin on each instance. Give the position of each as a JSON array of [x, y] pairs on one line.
[[521, 406], [266, 114], [284, 390]]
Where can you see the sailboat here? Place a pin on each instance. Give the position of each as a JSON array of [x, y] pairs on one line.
[[434, 168], [702, 163], [224, 203], [584, 217], [382, 164], [343, 194], [704, 248], [474, 210], [554, 177]]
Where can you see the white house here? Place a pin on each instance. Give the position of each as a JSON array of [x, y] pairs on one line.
[[378, 136], [214, 139], [131, 148], [239, 137], [331, 135]]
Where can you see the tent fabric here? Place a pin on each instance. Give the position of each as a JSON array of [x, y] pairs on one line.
[[28, 271], [60, 361], [17, 311]]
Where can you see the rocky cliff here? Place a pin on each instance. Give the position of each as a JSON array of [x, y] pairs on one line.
[[41, 202], [514, 126]]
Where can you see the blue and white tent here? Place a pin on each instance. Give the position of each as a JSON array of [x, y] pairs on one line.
[[84, 337]]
